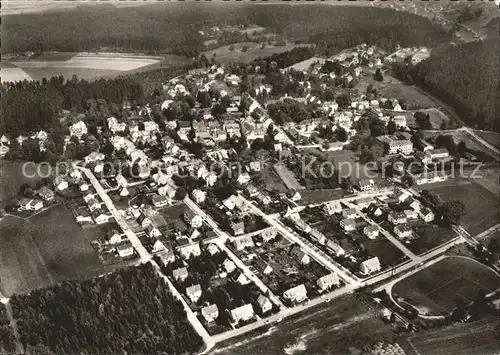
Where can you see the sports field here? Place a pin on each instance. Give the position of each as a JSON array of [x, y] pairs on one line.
[[440, 287], [48, 248]]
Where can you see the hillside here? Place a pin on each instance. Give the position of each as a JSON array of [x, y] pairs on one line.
[[173, 27], [466, 77]]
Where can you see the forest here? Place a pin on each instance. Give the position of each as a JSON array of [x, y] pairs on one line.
[[31, 106], [128, 312], [7, 340], [173, 27], [465, 77]]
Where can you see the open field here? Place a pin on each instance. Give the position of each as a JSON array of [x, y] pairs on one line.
[[12, 177], [223, 54], [318, 196], [388, 254], [48, 248], [343, 326], [479, 337], [305, 64], [85, 65], [288, 177], [430, 237], [440, 287], [492, 138], [14, 74], [480, 204]]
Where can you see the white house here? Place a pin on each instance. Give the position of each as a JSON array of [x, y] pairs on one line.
[[242, 313], [426, 214], [60, 184], [78, 129], [403, 230], [199, 196], [243, 242], [350, 213], [210, 313], [180, 274], [229, 266], [264, 303], [334, 248], [327, 281], [348, 224], [371, 231], [125, 250], [332, 207], [194, 293], [296, 294], [300, 255], [370, 265], [188, 250], [193, 219]]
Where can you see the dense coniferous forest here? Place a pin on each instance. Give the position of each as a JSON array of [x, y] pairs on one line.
[[466, 77], [128, 312], [7, 340], [174, 27], [30, 106]]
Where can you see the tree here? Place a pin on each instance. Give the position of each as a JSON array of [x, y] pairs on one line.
[[408, 180], [391, 127], [231, 47], [423, 120], [378, 75], [341, 134], [244, 49], [452, 212]]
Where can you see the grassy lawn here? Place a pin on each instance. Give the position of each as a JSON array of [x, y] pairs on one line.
[[429, 237], [492, 138], [479, 337], [319, 196], [43, 250], [481, 205], [344, 326], [388, 254], [11, 179], [223, 54], [438, 288]]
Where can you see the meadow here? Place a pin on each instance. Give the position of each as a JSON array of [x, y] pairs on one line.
[[43, 250], [254, 51], [439, 288]]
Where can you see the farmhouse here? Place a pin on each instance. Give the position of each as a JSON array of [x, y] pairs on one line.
[[194, 293], [210, 313], [327, 281], [264, 304], [371, 231], [242, 313], [296, 294], [371, 265]]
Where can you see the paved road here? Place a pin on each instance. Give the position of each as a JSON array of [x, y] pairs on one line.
[[312, 251], [386, 234], [146, 257]]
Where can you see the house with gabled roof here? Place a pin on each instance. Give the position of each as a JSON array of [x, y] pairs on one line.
[[194, 293], [332, 207], [371, 231], [210, 313], [263, 267], [328, 281], [370, 266], [242, 313], [180, 274], [300, 255], [403, 230], [348, 224], [264, 304], [296, 294], [243, 242]]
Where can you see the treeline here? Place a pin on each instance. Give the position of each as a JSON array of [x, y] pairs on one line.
[[31, 106], [175, 27], [465, 77], [7, 339], [128, 312], [284, 59]]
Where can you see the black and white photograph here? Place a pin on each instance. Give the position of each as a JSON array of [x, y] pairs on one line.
[[237, 177]]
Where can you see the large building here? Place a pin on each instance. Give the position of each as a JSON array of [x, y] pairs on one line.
[[397, 145]]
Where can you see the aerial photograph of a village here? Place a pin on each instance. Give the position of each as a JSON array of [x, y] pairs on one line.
[[231, 177]]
